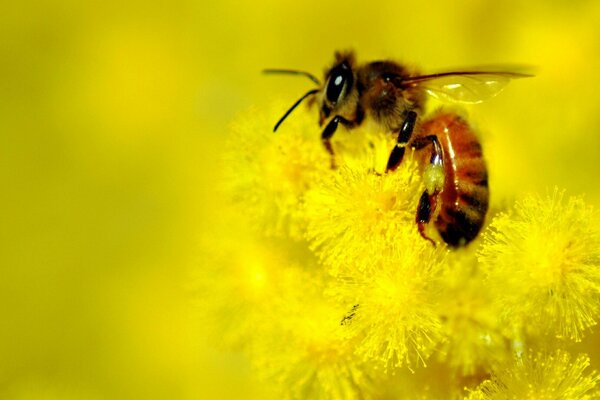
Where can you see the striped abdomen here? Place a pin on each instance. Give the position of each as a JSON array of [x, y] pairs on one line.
[[463, 202]]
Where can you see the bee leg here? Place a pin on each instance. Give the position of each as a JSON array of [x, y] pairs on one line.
[[433, 178], [328, 133], [403, 137], [427, 203]]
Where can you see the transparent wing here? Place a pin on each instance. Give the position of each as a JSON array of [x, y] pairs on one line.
[[464, 87]]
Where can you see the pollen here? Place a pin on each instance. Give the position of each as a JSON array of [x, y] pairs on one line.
[[433, 177]]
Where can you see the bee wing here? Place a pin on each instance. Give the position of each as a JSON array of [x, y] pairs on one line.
[[464, 87]]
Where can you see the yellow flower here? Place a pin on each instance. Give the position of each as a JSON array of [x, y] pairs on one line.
[[241, 279], [542, 262], [391, 311], [474, 338], [360, 219], [538, 376], [268, 173], [305, 352]]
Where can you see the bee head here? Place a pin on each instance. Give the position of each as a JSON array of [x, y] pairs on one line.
[[339, 87], [338, 95]]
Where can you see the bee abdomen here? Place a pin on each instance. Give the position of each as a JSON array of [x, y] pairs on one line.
[[460, 221], [465, 197]]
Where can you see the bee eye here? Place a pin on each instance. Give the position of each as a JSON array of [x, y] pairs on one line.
[[339, 77]]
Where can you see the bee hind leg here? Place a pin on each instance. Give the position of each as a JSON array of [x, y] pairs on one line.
[[426, 207], [433, 178]]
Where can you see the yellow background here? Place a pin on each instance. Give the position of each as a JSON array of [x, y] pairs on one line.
[[112, 118]]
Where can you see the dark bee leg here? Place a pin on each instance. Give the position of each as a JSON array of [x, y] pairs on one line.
[[403, 137], [427, 203], [434, 182], [328, 133]]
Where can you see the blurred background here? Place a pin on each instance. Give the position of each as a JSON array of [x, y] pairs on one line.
[[112, 119]]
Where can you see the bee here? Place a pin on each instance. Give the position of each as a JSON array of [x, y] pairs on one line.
[[393, 95]]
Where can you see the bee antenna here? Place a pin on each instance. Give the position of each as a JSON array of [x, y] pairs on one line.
[[293, 72], [310, 93]]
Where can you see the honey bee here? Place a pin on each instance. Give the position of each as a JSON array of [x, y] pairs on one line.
[[393, 96]]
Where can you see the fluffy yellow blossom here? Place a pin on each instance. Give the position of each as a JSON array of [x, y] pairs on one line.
[[239, 283], [542, 262], [392, 311], [268, 173], [474, 339], [305, 352], [361, 219], [539, 376]]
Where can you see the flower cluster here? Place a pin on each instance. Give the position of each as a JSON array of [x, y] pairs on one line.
[[323, 281]]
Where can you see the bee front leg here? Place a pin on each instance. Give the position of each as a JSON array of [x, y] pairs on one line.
[[433, 178], [403, 137], [328, 133]]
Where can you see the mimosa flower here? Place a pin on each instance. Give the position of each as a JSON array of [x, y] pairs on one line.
[[474, 338], [268, 173], [542, 262], [540, 376], [305, 352], [361, 219], [392, 311], [240, 284]]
